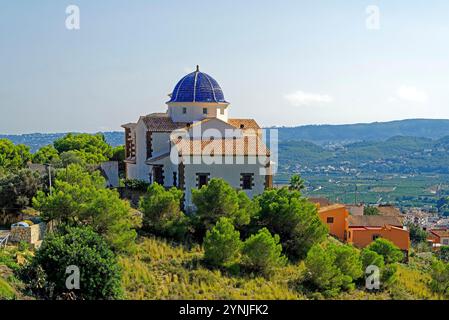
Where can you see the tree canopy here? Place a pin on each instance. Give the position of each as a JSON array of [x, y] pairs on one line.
[[13, 157], [18, 188], [387, 249], [263, 252], [293, 218], [80, 198], [47, 155], [222, 243], [90, 148], [332, 268], [218, 199], [81, 247], [162, 213]]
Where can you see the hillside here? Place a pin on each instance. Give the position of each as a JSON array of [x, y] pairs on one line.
[[376, 131]]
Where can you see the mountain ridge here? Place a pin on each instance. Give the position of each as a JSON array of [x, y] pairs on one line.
[[323, 134]]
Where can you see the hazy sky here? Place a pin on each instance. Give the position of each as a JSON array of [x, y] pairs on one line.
[[281, 62]]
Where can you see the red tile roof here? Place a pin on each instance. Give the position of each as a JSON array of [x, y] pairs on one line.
[[248, 145], [374, 221], [161, 122]]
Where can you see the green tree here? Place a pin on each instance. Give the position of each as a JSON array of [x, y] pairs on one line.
[[332, 268], [17, 189], [218, 199], [80, 247], [92, 149], [118, 153], [297, 183], [72, 157], [222, 244], [80, 198], [349, 262], [13, 157], [162, 213], [263, 252], [370, 211], [47, 155], [371, 258], [322, 270], [293, 218], [387, 249], [417, 234]]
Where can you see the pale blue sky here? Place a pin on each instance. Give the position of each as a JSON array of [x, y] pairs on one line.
[[281, 62]]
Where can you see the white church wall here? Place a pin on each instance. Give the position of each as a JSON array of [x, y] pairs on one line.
[[141, 171], [160, 143], [214, 128], [229, 172], [194, 111]]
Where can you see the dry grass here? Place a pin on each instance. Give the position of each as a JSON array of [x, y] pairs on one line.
[[164, 271]]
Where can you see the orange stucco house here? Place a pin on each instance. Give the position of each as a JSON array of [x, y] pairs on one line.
[[336, 218], [438, 237], [362, 230]]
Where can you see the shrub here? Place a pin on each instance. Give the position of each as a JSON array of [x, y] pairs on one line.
[[162, 213], [135, 184], [222, 244], [262, 252], [322, 270], [349, 262], [333, 267], [387, 249], [81, 247]]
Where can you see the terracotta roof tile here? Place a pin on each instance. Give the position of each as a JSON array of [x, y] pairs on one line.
[[161, 122], [440, 232], [387, 210], [248, 145], [246, 123], [374, 221]]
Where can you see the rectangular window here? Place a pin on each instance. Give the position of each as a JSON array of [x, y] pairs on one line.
[[330, 219], [204, 110], [175, 179], [247, 181], [202, 179], [375, 236], [184, 110], [445, 242], [222, 111], [158, 174]]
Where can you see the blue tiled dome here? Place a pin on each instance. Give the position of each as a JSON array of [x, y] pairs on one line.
[[197, 87]]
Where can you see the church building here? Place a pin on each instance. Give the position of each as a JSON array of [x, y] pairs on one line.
[[195, 140]]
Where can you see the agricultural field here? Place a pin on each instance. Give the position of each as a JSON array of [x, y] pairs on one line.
[[401, 190]]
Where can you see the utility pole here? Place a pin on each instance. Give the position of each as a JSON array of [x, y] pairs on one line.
[[49, 176]]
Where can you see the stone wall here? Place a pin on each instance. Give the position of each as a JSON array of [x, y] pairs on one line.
[[32, 234]]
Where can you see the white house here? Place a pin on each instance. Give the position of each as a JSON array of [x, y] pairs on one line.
[[195, 140]]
